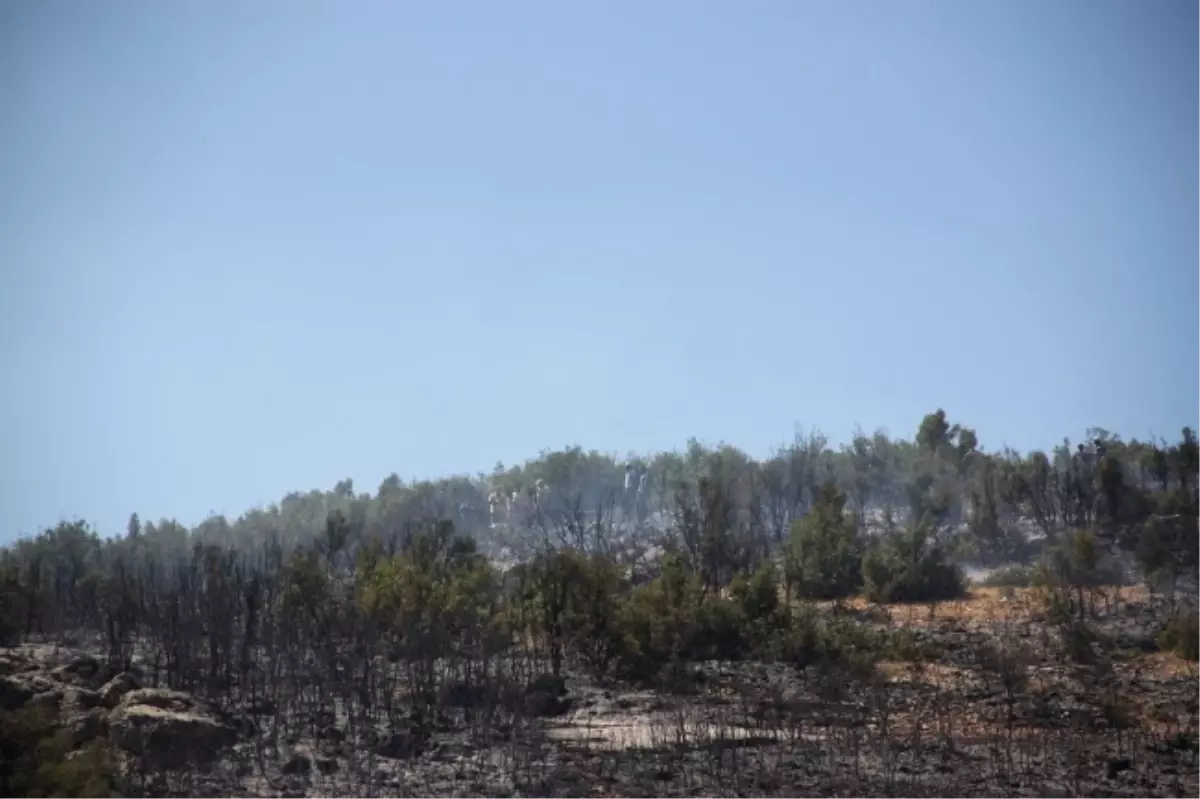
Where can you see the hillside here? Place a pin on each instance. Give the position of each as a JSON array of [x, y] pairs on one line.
[[798, 626]]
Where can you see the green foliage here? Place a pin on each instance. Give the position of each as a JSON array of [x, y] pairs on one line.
[[427, 605], [552, 579], [1181, 635], [658, 621], [1066, 578], [1069, 572], [824, 556], [36, 759], [757, 594], [435, 599], [591, 625], [908, 567], [720, 632], [672, 620], [835, 644], [935, 431], [1167, 547]]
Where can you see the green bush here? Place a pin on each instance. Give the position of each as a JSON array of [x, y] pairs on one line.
[[824, 555], [657, 622], [1068, 575], [36, 759], [720, 632], [907, 567], [591, 622], [836, 643], [757, 594], [1181, 635], [671, 621]]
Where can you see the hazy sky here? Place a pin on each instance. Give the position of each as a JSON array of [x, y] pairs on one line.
[[256, 247]]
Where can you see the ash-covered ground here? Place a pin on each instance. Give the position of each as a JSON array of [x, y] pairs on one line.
[[974, 699]]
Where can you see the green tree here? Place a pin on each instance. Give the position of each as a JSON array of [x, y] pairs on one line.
[[910, 566], [554, 577], [1067, 573], [824, 555], [591, 624], [658, 621], [935, 432]]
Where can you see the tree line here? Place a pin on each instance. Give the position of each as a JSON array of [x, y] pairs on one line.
[[725, 508]]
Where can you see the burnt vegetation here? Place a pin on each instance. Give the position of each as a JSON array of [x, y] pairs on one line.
[[891, 617]]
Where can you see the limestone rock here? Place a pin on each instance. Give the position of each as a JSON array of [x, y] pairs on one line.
[[116, 688], [86, 728], [169, 728], [16, 690]]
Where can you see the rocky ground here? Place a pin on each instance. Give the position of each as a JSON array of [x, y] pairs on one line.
[[947, 714]]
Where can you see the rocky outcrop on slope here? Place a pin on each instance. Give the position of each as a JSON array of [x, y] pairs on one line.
[[168, 728], [161, 728]]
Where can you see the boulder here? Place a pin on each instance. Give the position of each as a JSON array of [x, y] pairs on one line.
[[81, 670], [79, 700], [115, 689], [169, 728], [166, 699], [16, 690], [11, 663], [48, 701], [88, 727]]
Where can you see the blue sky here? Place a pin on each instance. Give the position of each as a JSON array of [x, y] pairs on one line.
[[256, 247]]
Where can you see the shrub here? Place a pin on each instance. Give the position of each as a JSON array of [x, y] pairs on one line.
[[757, 594], [839, 644], [591, 621], [1181, 635], [1069, 573], [824, 555], [671, 620], [720, 632], [657, 622], [36, 759], [907, 567]]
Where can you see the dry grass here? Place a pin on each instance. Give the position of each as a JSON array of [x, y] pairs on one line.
[[982, 604], [1160, 666]]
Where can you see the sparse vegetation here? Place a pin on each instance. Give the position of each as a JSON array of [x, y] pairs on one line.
[[1181, 635], [37, 758], [908, 567], [813, 605]]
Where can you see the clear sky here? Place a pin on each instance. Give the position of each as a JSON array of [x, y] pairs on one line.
[[256, 247]]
